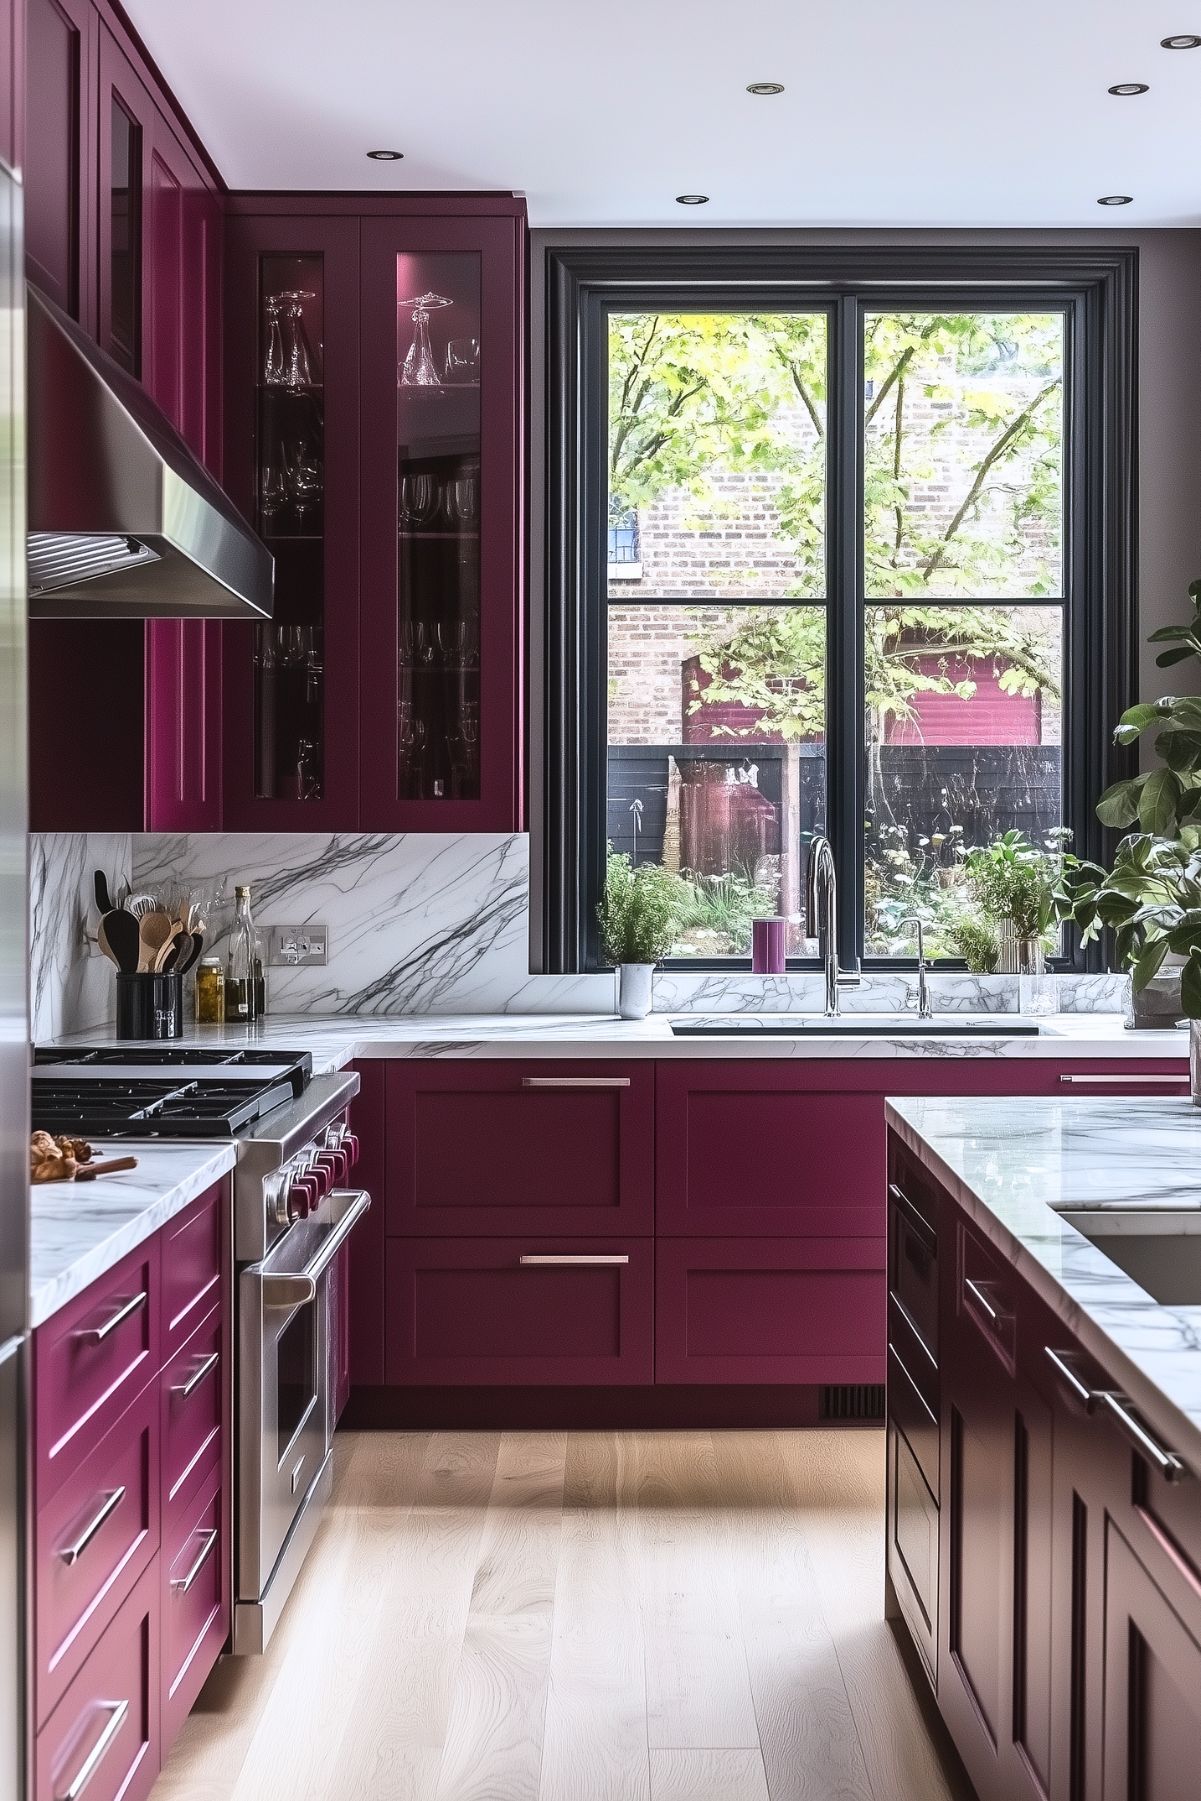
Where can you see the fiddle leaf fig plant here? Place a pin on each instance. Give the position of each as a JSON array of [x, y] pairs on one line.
[[1162, 801]]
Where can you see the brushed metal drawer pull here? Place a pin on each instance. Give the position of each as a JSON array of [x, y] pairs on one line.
[[575, 1081], [184, 1389], [72, 1553], [916, 1217], [978, 1294], [574, 1259], [1120, 1081], [98, 1334], [1063, 1368], [118, 1713], [1166, 1462], [181, 1584]]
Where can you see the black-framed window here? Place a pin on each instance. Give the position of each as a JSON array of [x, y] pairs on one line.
[[883, 510]]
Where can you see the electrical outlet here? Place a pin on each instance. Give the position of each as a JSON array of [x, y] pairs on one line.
[[297, 947]]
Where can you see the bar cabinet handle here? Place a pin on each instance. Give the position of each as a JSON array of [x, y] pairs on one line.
[[184, 1389], [98, 1334], [181, 1584], [1166, 1462], [1064, 1370], [549, 1259], [1121, 1081], [976, 1289], [118, 1712], [575, 1081], [73, 1552]]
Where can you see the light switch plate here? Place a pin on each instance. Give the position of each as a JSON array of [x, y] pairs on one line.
[[297, 947]]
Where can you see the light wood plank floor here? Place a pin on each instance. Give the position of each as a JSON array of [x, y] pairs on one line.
[[643, 1616]]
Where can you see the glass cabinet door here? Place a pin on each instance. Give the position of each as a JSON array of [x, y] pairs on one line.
[[440, 523], [292, 410]]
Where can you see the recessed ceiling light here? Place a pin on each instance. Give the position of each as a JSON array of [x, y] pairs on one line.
[[386, 156], [1123, 88], [1115, 199], [765, 87], [692, 199], [1183, 40]]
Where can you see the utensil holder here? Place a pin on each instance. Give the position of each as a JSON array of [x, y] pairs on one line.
[[769, 946], [150, 1006]]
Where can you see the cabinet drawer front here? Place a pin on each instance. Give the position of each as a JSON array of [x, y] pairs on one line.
[[108, 1720], [913, 1258], [742, 1152], [193, 1264], [470, 1311], [769, 1310], [90, 1360], [909, 1409], [195, 1567], [912, 1550], [92, 1542], [985, 1297], [194, 1384], [520, 1147]]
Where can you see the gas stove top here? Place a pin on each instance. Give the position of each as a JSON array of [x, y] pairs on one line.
[[141, 1091]]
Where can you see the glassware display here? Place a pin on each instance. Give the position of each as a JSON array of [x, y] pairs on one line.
[[289, 652], [419, 369], [245, 985], [438, 523]]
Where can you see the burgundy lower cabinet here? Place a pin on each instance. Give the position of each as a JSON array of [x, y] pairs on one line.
[[1048, 1573], [133, 1487], [765, 1310], [520, 1148], [527, 1311]]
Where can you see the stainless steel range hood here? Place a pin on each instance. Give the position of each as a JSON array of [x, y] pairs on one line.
[[124, 522]]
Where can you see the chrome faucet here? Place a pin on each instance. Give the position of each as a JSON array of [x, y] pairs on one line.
[[822, 901], [924, 1009]]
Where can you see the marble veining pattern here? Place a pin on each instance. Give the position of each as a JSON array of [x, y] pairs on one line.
[[79, 1230], [1014, 1164], [68, 988]]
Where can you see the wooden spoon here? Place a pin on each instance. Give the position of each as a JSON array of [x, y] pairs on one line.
[[155, 929], [120, 939], [173, 951]]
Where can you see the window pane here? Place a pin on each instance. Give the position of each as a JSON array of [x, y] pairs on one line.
[[716, 758], [964, 713], [964, 454], [716, 447]]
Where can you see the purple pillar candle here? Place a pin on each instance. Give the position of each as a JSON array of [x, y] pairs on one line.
[[769, 946]]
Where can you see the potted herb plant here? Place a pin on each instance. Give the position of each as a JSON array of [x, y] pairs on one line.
[[1148, 895], [638, 915], [1020, 891]]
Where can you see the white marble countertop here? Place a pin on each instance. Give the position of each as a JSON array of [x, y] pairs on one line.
[[1012, 1163], [79, 1230], [337, 1040]]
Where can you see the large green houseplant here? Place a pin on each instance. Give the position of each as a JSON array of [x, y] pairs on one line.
[[1151, 898]]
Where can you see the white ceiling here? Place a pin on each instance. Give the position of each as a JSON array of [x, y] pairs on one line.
[[896, 112]]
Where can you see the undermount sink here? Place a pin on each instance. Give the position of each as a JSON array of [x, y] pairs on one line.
[[1160, 1250], [855, 1025]]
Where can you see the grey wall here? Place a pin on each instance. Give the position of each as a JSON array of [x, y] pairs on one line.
[[1169, 526]]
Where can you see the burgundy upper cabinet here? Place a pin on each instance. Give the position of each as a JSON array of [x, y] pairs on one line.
[[292, 465], [12, 93], [61, 46], [441, 537], [373, 432]]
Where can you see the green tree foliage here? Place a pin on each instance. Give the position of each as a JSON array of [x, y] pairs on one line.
[[696, 395]]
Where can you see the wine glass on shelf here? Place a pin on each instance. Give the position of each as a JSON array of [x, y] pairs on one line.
[[419, 499], [273, 492], [419, 369], [273, 360], [411, 742], [298, 356], [463, 362], [463, 498], [306, 484]]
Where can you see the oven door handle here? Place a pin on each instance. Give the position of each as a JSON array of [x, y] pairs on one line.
[[285, 1289]]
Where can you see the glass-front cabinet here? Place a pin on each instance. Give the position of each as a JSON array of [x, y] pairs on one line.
[[373, 416]]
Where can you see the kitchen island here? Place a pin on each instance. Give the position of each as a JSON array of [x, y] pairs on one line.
[[1044, 1435]]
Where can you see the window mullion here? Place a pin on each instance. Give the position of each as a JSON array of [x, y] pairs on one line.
[[844, 642]]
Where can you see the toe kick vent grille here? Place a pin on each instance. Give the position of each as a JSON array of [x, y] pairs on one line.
[[853, 1401]]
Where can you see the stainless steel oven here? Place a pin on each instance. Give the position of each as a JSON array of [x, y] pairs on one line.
[[286, 1413]]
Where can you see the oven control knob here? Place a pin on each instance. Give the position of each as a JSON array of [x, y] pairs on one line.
[[303, 1196], [350, 1145], [334, 1160], [321, 1176]]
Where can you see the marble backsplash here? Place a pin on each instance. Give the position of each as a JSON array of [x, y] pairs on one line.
[[417, 923]]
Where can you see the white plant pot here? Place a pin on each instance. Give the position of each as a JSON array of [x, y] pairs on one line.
[[634, 989]]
